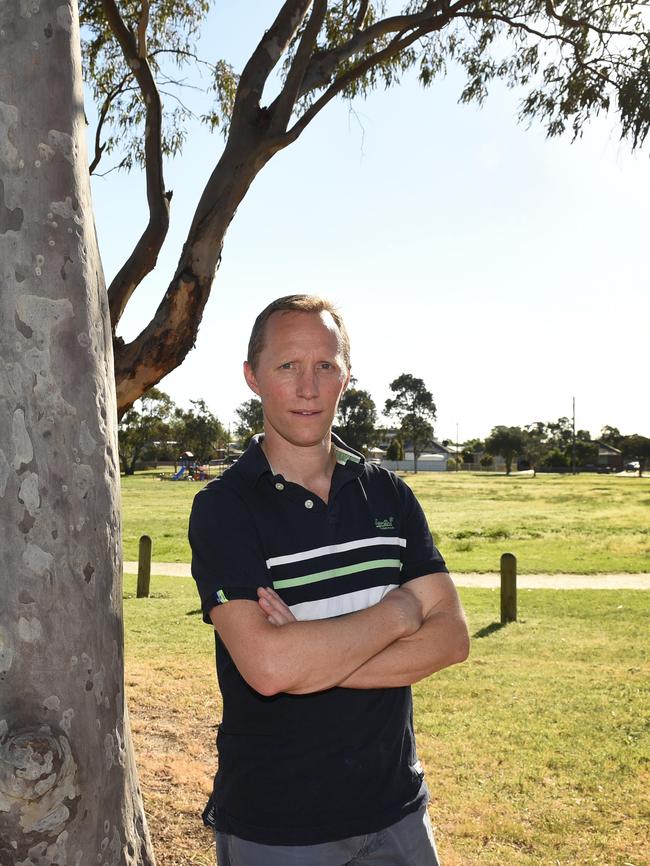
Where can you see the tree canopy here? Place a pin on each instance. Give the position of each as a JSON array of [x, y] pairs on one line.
[[145, 422], [506, 442], [570, 61], [250, 420], [198, 430], [357, 417], [412, 404]]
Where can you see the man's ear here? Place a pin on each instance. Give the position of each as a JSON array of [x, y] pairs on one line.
[[347, 380], [251, 381]]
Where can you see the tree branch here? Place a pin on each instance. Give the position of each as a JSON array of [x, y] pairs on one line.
[[143, 23], [264, 59], [253, 140], [145, 253], [323, 66], [282, 107], [353, 74], [99, 148], [560, 38], [360, 17], [170, 335], [567, 21]]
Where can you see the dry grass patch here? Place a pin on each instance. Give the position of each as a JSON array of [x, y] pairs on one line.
[[173, 721]]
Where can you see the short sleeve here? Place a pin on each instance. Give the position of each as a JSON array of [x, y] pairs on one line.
[[227, 558], [421, 556]]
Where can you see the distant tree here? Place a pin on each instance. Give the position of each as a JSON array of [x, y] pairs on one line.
[[486, 461], [554, 437], [636, 447], [250, 420], [555, 459], [198, 430], [611, 436], [419, 431], [506, 442], [586, 451], [413, 406], [146, 422], [559, 434], [395, 450], [357, 418], [535, 444], [471, 449]]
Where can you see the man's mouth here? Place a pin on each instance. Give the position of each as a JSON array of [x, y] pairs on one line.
[[305, 412]]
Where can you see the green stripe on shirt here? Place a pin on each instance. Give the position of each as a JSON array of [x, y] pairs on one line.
[[336, 572]]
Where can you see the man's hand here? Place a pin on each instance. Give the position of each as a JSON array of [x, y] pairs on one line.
[[275, 610], [408, 602], [410, 607], [441, 640]]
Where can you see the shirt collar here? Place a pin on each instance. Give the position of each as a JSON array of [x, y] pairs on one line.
[[253, 463]]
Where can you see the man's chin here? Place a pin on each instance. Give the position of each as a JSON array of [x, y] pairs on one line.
[[303, 438]]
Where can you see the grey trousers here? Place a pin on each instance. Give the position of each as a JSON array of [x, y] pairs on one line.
[[408, 843]]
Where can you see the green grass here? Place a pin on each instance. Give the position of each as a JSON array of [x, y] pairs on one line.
[[537, 749], [585, 524], [581, 524]]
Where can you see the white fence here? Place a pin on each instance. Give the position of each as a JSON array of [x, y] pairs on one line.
[[426, 463]]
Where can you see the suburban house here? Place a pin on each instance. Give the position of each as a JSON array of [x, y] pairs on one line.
[[609, 457], [434, 456]]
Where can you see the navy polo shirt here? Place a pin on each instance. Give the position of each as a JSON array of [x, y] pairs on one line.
[[305, 769]]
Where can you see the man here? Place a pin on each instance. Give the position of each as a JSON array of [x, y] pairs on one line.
[[328, 600]]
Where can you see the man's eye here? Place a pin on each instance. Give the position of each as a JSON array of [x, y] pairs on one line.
[[286, 366], [325, 365]]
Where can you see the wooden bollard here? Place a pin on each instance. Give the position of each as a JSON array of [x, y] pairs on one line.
[[508, 588], [144, 567]]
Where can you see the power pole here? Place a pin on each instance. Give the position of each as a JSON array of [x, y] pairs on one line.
[[573, 440]]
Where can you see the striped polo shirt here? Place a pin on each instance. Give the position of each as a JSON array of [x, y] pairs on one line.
[[304, 769]]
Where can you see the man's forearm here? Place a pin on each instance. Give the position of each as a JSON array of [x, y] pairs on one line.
[[441, 641], [304, 657], [321, 652]]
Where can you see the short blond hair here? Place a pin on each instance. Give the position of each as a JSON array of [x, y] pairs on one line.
[[300, 304]]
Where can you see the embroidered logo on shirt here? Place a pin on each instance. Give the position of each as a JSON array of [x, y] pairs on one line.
[[387, 523]]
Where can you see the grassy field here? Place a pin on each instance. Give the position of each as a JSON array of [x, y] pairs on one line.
[[537, 749], [582, 524]]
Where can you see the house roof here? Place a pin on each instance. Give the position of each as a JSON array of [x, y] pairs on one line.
[[604, 448]]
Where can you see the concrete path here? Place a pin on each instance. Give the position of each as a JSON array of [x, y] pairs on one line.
[[524, 581]]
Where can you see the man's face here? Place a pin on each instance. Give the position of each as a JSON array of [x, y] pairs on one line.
[[300, 375]]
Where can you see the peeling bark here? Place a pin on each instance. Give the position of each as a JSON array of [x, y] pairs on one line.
[[68, 787]]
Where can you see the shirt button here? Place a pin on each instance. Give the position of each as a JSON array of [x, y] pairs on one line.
[[309, 503], [279, 485]]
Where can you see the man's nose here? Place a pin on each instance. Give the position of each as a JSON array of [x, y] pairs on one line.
[[307, 384]]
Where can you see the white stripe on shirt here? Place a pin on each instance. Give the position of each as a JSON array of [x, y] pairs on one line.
[[335, 548]]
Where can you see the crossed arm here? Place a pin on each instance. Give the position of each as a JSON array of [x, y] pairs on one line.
[[413, 632]]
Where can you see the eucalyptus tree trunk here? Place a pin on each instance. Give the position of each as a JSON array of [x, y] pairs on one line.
[[68, 787]]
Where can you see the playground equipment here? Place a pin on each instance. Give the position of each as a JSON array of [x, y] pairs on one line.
[[189, 470]]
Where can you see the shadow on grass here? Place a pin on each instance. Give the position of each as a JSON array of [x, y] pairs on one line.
[[489, 629], [193, 612]]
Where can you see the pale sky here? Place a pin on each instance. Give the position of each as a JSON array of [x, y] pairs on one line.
[[506, 270]]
